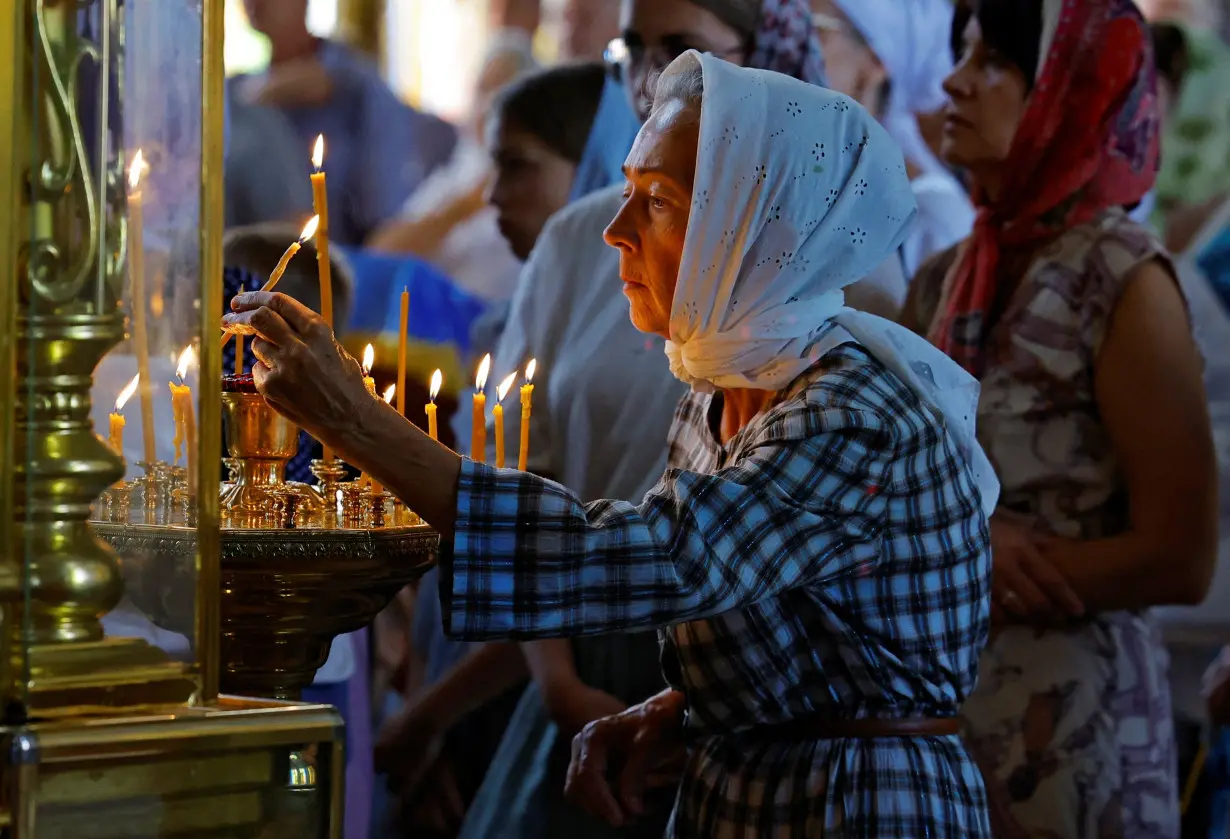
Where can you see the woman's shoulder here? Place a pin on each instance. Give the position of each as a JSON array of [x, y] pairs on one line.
[[847, 390], [1095, 260]]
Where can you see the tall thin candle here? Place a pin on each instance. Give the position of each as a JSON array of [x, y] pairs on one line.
[[320, 201], [527, 395], [403, 335], [478, 433], [309, 230], [437, 379], [140, 331], [498, 414]]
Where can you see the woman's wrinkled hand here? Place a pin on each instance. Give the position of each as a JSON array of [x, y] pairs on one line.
[[1025, 586], [641, 748], [301, 369]]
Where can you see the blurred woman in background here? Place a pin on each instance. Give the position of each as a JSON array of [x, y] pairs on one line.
[[889, 56], [1193, 67], [437, 748], [1071, 316]]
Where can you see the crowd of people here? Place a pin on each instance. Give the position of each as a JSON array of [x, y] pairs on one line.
[[889, 332]]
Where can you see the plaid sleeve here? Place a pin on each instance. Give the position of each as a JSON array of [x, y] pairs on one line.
[[531, 561]]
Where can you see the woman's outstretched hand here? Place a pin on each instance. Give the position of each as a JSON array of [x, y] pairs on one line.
[[641, 749], [301, 369]]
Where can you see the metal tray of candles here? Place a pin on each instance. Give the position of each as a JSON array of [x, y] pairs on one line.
[[300, 565]]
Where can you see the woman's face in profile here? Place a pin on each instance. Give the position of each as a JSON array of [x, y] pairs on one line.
[[650, 227], [987, 98], [532, 182]]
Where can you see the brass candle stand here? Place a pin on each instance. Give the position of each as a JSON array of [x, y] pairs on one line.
[[300, 565]]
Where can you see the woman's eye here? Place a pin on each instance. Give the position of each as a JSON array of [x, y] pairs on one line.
[[657, 203]]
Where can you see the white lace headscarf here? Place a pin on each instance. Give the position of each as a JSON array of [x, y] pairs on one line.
[[911, 38], [799, 192]]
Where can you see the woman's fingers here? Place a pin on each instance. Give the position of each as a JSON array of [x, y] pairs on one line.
[[1014, 590], [302, 319], [1052, 583], [586, 784], [263, 321]]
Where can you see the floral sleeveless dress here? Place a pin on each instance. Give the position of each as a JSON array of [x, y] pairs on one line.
[[1072, 728]]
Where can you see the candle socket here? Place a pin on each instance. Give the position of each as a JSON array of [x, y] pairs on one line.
[[329, 474], [155, 485], [120, 499], [377, 510], [354, 511], [183, 501]]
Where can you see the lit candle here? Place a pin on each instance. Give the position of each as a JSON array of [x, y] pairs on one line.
[[309, 230], [437, 379], [377, 489], [369, 358], [478, 434], [527, 393], [402, 338], [498, 413], [116, 436], [185, 414], [320, 202], [140, 332]]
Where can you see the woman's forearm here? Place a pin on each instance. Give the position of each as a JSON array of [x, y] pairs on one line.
[[415, 468], [1132, 572], [550, 662], [480, 677]]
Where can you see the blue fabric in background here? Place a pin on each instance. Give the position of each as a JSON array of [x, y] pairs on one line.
[[440, 312], [614, 129], [1214, 261]]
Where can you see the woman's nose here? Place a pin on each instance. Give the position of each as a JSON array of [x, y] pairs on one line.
[[621, 233]]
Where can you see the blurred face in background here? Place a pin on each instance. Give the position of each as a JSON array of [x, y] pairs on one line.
[[531, 183], [656, 32], [276, 18], [589, 25], [850, 66]]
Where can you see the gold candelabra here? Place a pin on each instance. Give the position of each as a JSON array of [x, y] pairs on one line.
[[300, 564]]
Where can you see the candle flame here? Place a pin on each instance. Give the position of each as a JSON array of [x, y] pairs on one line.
[[186, 358], [318, 153], [437, 379], [505, 386], [388, 394], [484, 369], [369, 358], [309, 229], [529, 370], [136, 170], [126, 393]]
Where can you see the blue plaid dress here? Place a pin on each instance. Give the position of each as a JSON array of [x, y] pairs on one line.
[[830, 560]]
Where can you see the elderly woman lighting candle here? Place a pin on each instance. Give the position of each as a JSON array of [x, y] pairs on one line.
[[817, 553]]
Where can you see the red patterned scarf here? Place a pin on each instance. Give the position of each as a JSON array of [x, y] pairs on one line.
[[1088, 141]]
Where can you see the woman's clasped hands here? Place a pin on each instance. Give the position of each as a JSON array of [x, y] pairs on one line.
[[301, 369], [1025, 586]]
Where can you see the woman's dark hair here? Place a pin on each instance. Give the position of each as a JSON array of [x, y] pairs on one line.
[[1170, 53], [1012, 28], [556, 105]]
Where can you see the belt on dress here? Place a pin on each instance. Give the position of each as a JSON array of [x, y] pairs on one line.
[[835, 728]]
